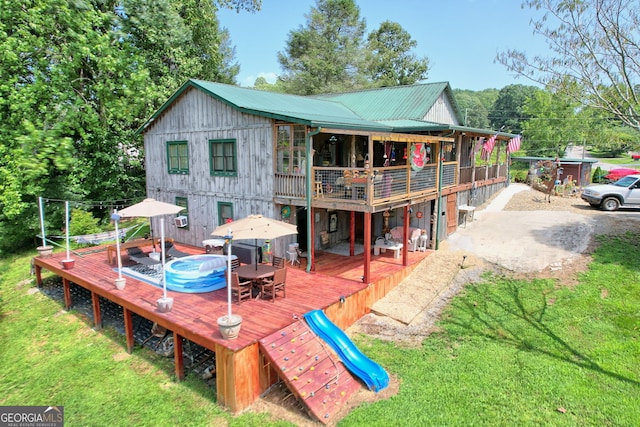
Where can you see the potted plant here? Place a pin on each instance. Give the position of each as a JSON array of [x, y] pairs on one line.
[[67, 263], [120, 281], [230, 324], [45, 251]]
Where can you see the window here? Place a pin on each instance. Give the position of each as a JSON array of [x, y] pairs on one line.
[[178, 157], [184, 202], [290, 147], [222, 154], [225, 212], [449, 151]]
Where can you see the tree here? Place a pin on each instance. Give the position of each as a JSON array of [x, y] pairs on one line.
[[326, 55], [389, 61], [594, 46], [78, 80], [553, 124], [474, 113], [506, 113]]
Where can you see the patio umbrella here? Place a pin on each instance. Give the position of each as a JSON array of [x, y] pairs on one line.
[[252, 227], [148, 208], [255, 227]]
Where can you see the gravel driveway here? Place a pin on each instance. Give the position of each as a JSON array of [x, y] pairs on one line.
[[516, 232]]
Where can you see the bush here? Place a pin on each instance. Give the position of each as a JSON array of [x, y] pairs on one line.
[[598, 175], [519, 175], [83, 222]]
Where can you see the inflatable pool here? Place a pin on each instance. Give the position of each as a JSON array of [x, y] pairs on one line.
[[197, 273]]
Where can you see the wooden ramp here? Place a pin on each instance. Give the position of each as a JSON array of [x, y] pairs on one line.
[[310, 369]]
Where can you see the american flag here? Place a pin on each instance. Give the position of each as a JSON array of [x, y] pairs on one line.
[[514, 144], [487, 148], [476, 148]]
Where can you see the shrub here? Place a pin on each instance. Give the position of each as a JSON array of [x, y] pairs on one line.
[[83, 222], [519, 175], [598, 174]]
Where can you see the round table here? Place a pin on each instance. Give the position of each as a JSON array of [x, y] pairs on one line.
[[249, 271], [256, 275]]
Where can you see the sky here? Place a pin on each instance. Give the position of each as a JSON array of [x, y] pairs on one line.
[[461, 38]]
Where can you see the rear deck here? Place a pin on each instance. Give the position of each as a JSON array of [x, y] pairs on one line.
[[242, 371]]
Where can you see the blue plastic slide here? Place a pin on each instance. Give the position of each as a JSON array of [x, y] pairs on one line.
[[373, 375]]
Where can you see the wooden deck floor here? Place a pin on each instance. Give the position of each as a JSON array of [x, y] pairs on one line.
[[194, 316]]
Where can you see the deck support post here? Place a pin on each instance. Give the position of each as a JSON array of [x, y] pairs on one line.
[[67, 293], [38, 270], [238, 376], [97, 314], [178, 356], [128, 329]]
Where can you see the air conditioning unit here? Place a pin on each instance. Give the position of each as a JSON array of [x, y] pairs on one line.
[[181, 221]]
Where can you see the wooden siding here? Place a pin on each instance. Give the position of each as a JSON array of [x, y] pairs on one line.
[[197, 118], [442, 112]]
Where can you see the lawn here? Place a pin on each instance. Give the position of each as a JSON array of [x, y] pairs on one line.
[[606, 157], [507, 352]]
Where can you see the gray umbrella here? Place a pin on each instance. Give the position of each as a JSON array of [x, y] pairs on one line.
[[148, 208]]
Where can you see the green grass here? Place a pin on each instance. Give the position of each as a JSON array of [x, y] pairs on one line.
[[508, 352], [607, 157]]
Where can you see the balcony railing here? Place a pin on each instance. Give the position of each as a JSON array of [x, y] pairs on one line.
[[379, 185]]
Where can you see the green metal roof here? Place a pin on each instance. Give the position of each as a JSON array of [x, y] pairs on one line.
[[392, 109], [411, 102], [292, 108]]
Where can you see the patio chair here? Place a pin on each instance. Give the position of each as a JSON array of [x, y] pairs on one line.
[[170, 251], [302, 256], [277, 262], [137, 255], [235, 263], [240, 290], [270, 287]]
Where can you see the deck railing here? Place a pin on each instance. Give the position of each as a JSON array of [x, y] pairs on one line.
[[482, 173], [368, 186], [291, 186], [379, 185]]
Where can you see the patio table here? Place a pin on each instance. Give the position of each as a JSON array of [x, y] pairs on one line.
[[256, 275]]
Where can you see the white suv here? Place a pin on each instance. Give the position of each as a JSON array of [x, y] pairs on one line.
[[625, 192]]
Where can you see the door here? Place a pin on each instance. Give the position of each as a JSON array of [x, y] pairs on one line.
[[633, 196], [452, 213], [301, 222]]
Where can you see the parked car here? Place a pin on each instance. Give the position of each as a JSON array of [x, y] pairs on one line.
[[616, 174], [624, 192]]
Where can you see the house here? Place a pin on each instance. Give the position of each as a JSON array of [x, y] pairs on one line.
[[342, 167]]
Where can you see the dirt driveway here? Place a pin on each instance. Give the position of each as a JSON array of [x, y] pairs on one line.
[[516, 233]]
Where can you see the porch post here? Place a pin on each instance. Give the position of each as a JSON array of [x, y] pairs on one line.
[[366, 278], [405, 234], [309, 189], [352, 233]]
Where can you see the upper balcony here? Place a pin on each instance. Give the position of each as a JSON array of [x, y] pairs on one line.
[[363, 189], [369, 172]]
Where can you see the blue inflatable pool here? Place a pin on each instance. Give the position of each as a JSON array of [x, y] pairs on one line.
[[197, 273]]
